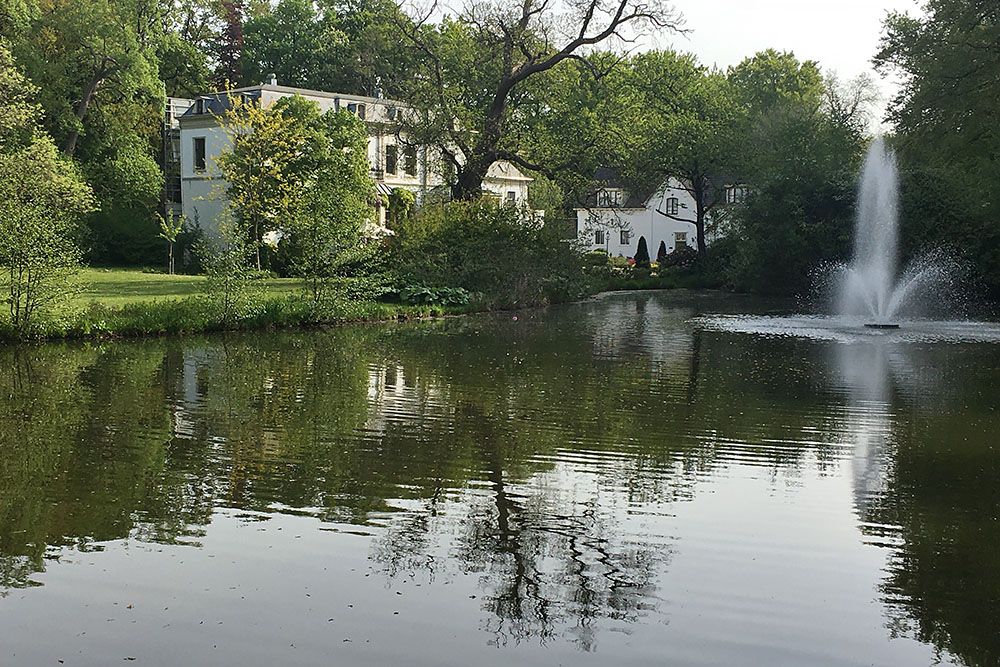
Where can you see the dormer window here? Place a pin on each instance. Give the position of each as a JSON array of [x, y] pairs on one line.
[[391, 113], [199, 105], [357, 109], [610, 198], [736, 194]]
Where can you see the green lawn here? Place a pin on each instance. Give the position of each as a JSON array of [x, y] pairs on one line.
[[118, 287]]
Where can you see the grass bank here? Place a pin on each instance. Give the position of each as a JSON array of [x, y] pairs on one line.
[[120, 287], [116, 303]]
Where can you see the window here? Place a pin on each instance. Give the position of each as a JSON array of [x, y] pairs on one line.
[[199, 154], [391, 113], [680, 238], [391, 157], [511, 197], [357, 109], [670, 206], [599, 237], [736, 194], [410, 160], [609, 198], [199, 106], [626, 236]]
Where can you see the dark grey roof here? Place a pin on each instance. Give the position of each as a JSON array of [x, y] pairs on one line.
[[217, 104], [220, 102], [606, 178], [610, 178]]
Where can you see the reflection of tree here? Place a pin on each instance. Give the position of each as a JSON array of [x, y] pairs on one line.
[[509, 449], [73, 467], [926, 488]]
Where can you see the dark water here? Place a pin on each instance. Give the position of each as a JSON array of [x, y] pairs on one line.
[[605, 483]]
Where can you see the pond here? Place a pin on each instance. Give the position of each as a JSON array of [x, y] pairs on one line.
[[611, 482]]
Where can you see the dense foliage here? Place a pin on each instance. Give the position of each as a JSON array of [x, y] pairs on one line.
[[946, 120], [499, 253], [41, 200], [301, 176]]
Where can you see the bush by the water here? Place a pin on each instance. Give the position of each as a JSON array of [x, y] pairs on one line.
[[434, 296], [501, 253]]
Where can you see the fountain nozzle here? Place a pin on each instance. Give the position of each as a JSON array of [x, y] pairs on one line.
[[881, 325]]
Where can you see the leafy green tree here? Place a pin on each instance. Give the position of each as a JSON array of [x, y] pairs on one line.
[[945, 119], [171, 226], [333, 204], [41, 200], [684, 121], [770, 80], [478, 67], [266, 164], [801, 154], [292, 40], [182, 66], [87, 54]]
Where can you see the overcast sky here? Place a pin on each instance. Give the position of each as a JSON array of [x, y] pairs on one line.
[[842, 35]]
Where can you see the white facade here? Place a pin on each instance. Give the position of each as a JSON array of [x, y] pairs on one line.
[[394, 164], [619, 219]]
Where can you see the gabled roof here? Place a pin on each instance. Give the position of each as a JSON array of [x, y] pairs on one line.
[[608, 178]]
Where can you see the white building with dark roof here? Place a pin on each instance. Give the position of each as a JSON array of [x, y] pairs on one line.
[[394, 162], [615, 217]]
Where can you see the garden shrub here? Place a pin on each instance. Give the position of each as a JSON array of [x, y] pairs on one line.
[[500, 252]]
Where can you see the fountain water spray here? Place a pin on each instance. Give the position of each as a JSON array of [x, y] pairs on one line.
[[871, 286], [868, 286]]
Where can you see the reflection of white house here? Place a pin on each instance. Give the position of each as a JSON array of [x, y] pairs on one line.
[[394, 162], [615, 218]]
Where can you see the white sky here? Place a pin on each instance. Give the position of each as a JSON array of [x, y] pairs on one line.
[[842, 35]]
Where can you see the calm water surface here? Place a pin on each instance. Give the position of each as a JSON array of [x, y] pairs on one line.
[[614, 482]]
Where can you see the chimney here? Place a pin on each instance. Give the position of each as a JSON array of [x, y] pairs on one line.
[[272, 79]]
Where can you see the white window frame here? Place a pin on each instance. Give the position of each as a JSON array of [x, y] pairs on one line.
[[671, 205]]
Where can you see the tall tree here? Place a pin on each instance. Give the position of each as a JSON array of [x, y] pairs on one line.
[[42, 197], [684, 121], [86, 53], [478, 64], [801, 152], [946, 118], [229, 52]]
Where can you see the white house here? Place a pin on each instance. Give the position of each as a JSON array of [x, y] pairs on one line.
[[201, 138], [615, 217]]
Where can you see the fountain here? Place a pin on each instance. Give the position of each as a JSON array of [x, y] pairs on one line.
[[870, 297], [868, 287]]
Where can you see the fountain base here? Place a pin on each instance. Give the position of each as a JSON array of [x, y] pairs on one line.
[[881, 325]]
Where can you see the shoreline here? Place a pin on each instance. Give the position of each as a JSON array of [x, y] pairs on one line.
[[193, 316]]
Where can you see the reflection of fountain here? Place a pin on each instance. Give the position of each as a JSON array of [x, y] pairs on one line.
[[869, 287]]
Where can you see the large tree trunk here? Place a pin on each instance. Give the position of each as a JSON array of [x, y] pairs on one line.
[[69, 145], [469, 184], [700, 192]]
